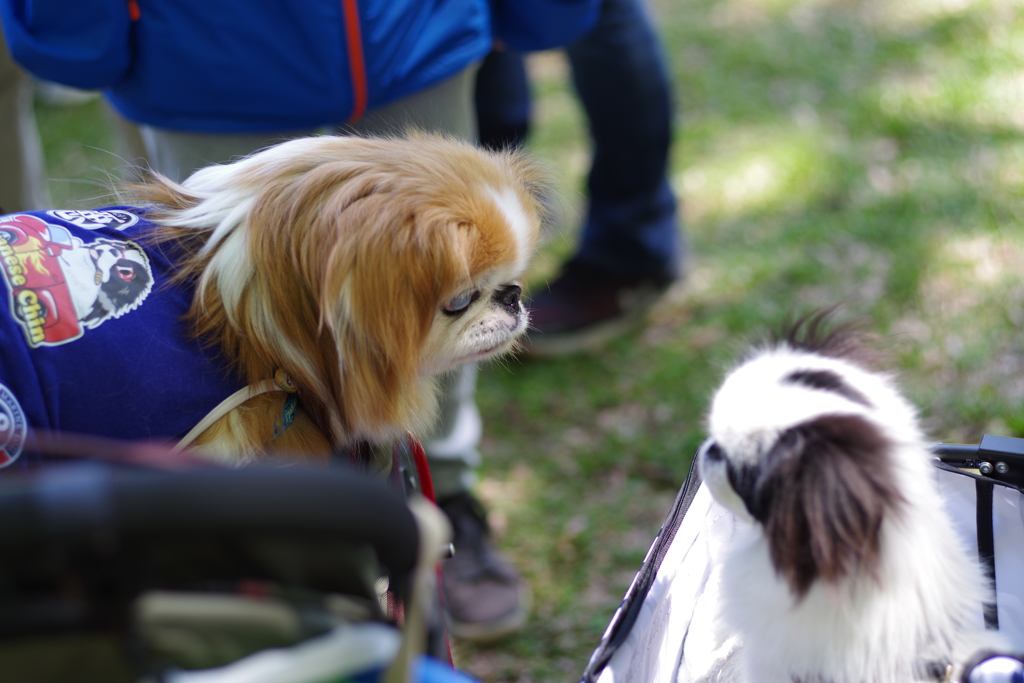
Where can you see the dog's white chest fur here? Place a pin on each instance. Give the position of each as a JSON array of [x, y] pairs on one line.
[[844, 566], [860, 629]]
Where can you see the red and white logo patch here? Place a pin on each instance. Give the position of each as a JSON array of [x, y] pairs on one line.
[[59, 285]]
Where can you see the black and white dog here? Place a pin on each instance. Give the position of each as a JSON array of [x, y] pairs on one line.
[[844, 566]]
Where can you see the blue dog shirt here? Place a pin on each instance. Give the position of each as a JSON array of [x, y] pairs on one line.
[[91, 334]]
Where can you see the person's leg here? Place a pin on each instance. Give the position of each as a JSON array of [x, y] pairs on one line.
[[445, 107], [622, 80], [630, 247], [502, 99], [484, 596], [177, 154], [23, 184], [452, 448], [128, 145]]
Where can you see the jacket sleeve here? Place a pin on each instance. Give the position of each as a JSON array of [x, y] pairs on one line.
[[83, 43], [542, 24]]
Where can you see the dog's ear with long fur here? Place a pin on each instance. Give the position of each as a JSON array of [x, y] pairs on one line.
[[412, 276], [438, 239], [821, 493]]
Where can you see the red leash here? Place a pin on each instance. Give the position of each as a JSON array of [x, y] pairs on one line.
[[427, 487], [419, 456]]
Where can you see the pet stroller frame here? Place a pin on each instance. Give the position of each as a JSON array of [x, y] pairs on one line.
[[983, 485], [112, 573]]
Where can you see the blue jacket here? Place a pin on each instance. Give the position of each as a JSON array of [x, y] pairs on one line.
[[91, 334], [246, 66]]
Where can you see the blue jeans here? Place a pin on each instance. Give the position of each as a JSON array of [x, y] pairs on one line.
[[622, 80]]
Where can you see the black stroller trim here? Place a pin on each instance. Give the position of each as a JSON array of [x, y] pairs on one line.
[[117, 533], [77, 501], [999, 461], [1008, 471]]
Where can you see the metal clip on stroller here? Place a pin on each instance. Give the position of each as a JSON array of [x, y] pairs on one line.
[[257, 574]]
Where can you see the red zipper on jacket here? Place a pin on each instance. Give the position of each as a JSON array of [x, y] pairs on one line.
[[356, 59]]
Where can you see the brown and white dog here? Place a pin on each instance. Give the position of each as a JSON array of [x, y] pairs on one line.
[[844, 566], [356, 268]]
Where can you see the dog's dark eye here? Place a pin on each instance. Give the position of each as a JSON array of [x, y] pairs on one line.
[[711, 451], [460, 302]]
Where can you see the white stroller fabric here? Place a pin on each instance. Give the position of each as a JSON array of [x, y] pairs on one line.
[[672, 641]]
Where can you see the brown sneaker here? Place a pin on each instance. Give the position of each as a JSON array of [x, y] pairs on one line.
[[485, 598], [586, 306]]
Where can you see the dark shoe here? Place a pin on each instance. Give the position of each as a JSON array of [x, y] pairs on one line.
[[586, 306], [485, 598]]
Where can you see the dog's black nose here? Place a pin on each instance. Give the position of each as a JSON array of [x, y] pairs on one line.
[[509, 296]]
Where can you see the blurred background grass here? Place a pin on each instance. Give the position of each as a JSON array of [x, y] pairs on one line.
[[868, 153]]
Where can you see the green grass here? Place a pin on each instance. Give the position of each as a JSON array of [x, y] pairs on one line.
[[868, 153], [78, 144]]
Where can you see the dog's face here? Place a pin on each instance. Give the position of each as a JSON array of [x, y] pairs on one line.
[[363, 266], [802, 444], [483, 316], [431, 275]]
